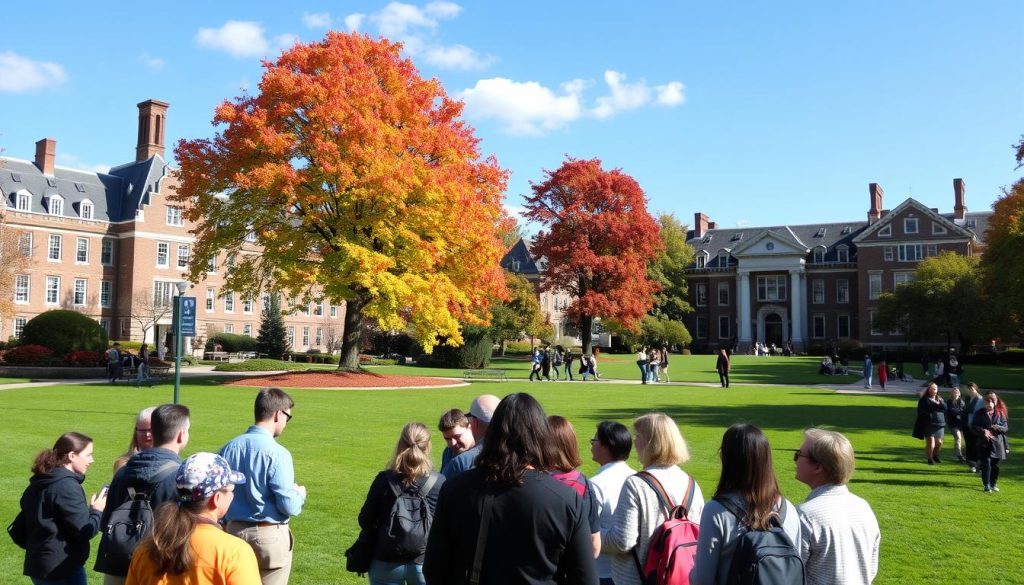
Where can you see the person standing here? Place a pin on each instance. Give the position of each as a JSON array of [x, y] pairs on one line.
[[883, 372], [458, 438], [556, 362], [664, 362], [143, 367], [142, 437], [55, 520], [955, 420], [480, 412], [261, 510], [569, 358], [535, 364], [610, 448], [975, 404], [114, 363], [868, 370], [723, 367], [642, 362], [931, 422], [545, 363], [839, 534], [991, 426]]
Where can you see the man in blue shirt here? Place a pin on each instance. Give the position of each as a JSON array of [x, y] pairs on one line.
[[479, 415], [262, 506]]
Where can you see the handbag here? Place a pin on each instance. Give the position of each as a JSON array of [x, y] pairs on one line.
[[18, 531], [359, 556]]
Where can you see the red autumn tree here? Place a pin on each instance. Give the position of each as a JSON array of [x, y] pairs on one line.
[[598, 239], [359, 183]]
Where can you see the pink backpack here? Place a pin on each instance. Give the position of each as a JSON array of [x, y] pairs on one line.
[[573, 479], [673, 544]]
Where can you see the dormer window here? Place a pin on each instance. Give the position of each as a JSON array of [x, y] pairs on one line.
[[819, 255], [80, 187], [707, 239], [938, 229], [972, 223], [820, 233], [56, 205], [842, 254], [24, 202], [846, 230], [702, 259], [737, 236], [723, 258], [85, 209]]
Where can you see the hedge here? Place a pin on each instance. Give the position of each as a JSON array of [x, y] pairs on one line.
[[64, 332]]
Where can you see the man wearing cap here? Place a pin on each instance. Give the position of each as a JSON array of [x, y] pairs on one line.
[[479, 415], [150, 471], [261, 509], [205, 485]]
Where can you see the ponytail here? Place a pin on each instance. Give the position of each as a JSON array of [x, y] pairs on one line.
[[412, 453], [49, 459], [169, 542]]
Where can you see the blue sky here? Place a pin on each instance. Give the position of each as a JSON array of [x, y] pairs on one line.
[[754, 113]]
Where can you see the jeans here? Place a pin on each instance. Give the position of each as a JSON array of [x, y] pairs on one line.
[[643, 370], [385, 573], [75, 577], [989, 470], [143, 373], [555, 369], [568, 371]]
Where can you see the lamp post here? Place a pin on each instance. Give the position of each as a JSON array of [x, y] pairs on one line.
[[182, 286]]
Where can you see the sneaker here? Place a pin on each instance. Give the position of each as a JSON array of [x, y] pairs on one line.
[[937, 460], [988, 489], [995, 489], [974, 469]]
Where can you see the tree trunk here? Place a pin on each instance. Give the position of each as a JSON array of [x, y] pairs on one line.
[[351, 334], [586, 325]]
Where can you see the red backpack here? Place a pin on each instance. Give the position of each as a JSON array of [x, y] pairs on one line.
[[573, 479], [674, 543]]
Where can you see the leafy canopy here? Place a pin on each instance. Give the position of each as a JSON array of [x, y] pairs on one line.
[[1003, 259]]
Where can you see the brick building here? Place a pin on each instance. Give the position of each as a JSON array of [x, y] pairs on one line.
[[520, 260], [810, 284], [112, 246]]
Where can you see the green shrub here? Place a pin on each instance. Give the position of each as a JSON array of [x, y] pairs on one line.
[[65, 331], [257, 365], [133, 346], [312, 358], [231, 342], [475, 352], [518, 347]]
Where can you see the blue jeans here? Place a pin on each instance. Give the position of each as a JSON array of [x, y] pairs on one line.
[[76, 577], [644, 372], [384, 573]]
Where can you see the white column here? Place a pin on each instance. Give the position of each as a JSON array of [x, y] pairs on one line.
[[743, 306], [796, 308], [803, 310]]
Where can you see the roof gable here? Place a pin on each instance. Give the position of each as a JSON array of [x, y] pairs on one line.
[[519, 260], [911, 203], [781, 242]]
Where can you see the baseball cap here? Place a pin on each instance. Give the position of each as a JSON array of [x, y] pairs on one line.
[[203, 474], [483, 407]]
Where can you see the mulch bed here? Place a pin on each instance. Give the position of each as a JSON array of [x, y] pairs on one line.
[[339, 380]]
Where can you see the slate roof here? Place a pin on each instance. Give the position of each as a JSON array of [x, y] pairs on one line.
[[115, 195], [810, 236], [519, 260]]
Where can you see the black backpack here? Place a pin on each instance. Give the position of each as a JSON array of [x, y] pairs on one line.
[[403, 535], [764, 557], [129, 523]]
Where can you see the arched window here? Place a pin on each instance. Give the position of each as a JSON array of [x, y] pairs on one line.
[[702, 259], [842, 254], [723, 258], [819, 254]]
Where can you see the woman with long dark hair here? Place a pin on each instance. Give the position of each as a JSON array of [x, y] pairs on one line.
[[55, 523], [564, 466], [410, 472], [991, 425], [187, 545], [507, 521], [747, 484]]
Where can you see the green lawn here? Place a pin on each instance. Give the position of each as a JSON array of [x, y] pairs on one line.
[[930, 516], [13, 380]]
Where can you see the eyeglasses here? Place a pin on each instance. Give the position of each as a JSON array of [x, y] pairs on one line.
[[594, 440], [798, 454], [144, 431], [287, 414]]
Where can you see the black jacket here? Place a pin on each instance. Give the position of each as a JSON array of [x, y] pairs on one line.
[[956, 413], [139, 473], [377, 508], [59, 524]]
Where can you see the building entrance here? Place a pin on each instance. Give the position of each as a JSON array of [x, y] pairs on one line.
[[773, 329]]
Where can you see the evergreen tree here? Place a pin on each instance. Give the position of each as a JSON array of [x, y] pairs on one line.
[[273, 339]]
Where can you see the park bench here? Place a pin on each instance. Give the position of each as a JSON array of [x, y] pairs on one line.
[[221, 356], [485, 375]]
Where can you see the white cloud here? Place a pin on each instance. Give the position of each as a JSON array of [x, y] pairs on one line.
[[523, 108], [397, 18], [354, 21], [743, 223], [285, 41], [671, 94], [151, 62], [316, 19], [442, 9], [624, 96], [237, 38], [457, 57], [19, 74]]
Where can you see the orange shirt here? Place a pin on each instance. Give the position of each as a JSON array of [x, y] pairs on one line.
[[220, 559]]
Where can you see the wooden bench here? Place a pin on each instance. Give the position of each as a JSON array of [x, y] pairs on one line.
[[483, 374], [160, 372], [221, 356]]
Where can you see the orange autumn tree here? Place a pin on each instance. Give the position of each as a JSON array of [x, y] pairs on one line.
[[598, 239], [360, 183]]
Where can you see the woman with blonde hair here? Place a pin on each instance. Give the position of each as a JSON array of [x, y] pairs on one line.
[[661, 449], [142, 437], [409, 475]]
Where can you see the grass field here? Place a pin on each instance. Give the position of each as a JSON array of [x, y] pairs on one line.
[[12, 380], [937, 525]]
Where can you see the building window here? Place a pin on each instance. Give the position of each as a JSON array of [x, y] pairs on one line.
[[318, 309], [909, 252], [701, 294], [211, 265], [82, 251], [771, 288], [843, 326], [80, 286], [229, 302], [52, 290], [250, 236], [702, 258], [910, 225], [291, 337], [931, 250], [25, 244], [304, 309], [818, 291], [21, 289], [53, 250], [874, 286], [162, 293], [723, 294], [319, 339], [126, 327], [19, 326], [105, 324], [231, 260], [334, 312], [873, 317], [886, 231], [85, 208], [247, 329], [56, 205], [724, 327], [183, 257], [818, 326], [819, 255], [702, 327], [247, 304], [723, 258], [842, 254], [899, 278], [842, 291], [107, 252], [938, 229], [24, 202], [229, 328], [106, 293], [211, 298], [889, 253], [163, 251], [174, 216]]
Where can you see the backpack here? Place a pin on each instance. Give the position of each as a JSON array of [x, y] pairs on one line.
[[556, 359], [404, 533], [764, 557], [670, 554], [573, 479], [129, 523]]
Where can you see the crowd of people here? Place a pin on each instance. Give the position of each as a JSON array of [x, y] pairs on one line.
[[547, 363]]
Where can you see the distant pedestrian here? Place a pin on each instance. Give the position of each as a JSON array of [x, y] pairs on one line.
[[868, 370], [545, 363], [955, 419], [883, 372], [143, 367], [535, 363], [723, 367], [642, 363], [569, 359], [931, 422], [556, 362], [664, 362], [924, 365], [991, 427], [653, 366], [114, 363]]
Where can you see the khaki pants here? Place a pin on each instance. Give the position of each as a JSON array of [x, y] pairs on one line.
[[273, 547], [113, 579]]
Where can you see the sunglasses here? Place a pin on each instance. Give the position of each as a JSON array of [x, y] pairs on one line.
[[798, 454]]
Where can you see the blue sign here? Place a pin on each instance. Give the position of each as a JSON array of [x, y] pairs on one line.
[[188, 316]]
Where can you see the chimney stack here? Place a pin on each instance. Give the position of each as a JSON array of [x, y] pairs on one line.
[[875, 213], [959, 207], [712, 225], [700, 225], [46, 152], [152, 119]]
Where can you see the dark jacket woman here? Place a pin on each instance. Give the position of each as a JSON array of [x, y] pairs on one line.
[[58, 523], [381, 497], [995, 423], [956, 414], [931, 415]]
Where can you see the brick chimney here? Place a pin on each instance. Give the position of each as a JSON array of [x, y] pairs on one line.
[[712, 225], [152, 119], [700, 225], [959, 208], [875, 213], [46, 152]]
